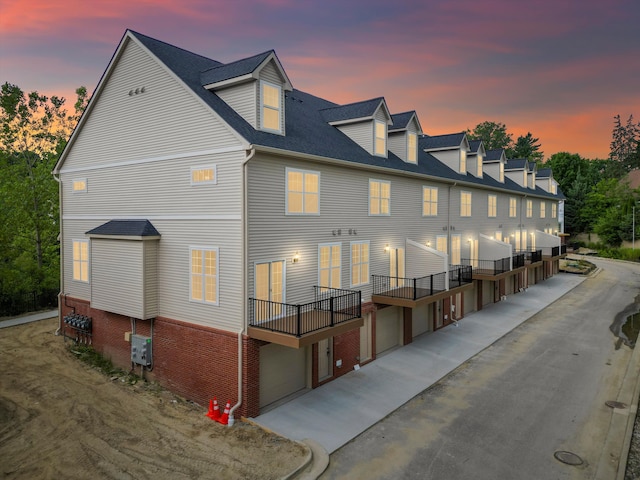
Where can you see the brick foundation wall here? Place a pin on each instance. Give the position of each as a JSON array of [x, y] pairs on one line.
[[194, 361]]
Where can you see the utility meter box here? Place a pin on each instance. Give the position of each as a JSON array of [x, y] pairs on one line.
[[141, 350]]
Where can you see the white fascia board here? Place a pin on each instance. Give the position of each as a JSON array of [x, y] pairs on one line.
[[350, 120], [272, 56], [231, 81]]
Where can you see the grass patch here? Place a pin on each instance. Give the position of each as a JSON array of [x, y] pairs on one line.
[[620, 253], [88, 355]]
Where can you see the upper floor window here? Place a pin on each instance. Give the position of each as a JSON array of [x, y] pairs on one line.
[[492, 205], [554, 210], [359, 263], [513, 207], [429, 201], [554, 188], [81, 260], [412, 147], [529, 208], [380, 139], [379, 197], [502, 173], [479, 166], [203, 175], [543, 212], [271, 106], [463, 161], [204, 275], [303, 192], [465, 204], [79, 185]]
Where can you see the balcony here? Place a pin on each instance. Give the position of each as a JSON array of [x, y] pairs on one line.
[[531, 256], [332, 312], [411, 292], [554, 252]]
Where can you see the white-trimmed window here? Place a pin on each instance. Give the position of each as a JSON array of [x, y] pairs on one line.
[[79, 185], [271, 108], [379, 197], [465, 204], [204, 175], [463, 161], [492, 205], [513, 207], [329, 265], [204, 275], [441, 243], [554, 210], [479, 166], [543, 209], [359, 263], [429, 201], [529, 208], [380, 138], [303, 192], [502, 173], [412, 147], [81, 260]]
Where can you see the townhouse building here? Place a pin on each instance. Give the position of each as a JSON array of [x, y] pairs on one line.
[[231, 236]]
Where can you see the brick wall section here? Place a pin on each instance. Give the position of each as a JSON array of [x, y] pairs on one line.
[[194, 361]]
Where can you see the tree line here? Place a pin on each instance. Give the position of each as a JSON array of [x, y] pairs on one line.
[[34, 130], [599, 198]]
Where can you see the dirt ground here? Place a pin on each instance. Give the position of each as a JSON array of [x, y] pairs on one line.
[[60, 418]]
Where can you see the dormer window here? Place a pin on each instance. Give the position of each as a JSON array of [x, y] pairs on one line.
[[501, 172], [412, 147], [479, 166], [380, 139], [463, 161], [270, 96]]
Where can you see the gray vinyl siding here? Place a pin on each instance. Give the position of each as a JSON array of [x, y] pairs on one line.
[[381, 115], [397, 143], [243, 99], [117, 277], [150, 279], [492, 169], [270, 74], [343, 218], [74, 230], [451, 158], [517, 176], [164, 120], [361, 133]]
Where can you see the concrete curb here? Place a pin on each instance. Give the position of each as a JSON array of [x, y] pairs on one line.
[[629, 396]]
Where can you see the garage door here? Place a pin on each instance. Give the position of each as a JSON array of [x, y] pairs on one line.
[[421, 319], [282, 372], [487, 292], [387, 329]]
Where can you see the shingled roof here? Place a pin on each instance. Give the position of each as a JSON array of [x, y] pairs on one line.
[[442, 142], [126, 228]]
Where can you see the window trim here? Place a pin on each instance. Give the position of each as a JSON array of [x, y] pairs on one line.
[[412, 149], [368, 263], [529, 213], [463, 161], [380, 182], [304, 193], [278, 109], [204, 182], [330, 245], [431, 202], [492, 206], [80, 261], [513, 209], [554, 210], [203, 249], [375, 138], [78, 180], [543, 209], [463, 193]]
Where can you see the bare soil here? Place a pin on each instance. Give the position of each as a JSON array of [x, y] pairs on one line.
[[60, 418]]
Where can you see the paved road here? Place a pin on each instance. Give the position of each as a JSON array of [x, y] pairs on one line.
[[502, 415]]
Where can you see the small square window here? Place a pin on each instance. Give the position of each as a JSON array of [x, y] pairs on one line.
[[203, 175], [79, 185]]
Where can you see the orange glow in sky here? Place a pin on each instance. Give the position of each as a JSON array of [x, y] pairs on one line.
[[560, 70]]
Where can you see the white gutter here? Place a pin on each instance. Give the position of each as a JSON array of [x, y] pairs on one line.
[[245, 255], [60, 294]]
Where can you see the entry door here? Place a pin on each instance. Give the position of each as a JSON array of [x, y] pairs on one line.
[[269, 286], [325, 359], [396, 266], [456, 242], [365, 339]]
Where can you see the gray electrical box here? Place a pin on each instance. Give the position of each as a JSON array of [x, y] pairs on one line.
[[141, 350]]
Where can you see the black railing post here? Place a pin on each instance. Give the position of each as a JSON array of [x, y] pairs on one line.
[[359, 309], [331, 308], [299, 321]]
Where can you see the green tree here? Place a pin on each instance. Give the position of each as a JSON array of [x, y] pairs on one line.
[[33, 131], [625, 145], [527, 147], [493, 135], [610, 205]]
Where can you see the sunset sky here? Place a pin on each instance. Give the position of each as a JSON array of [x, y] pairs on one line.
[[560, 69]]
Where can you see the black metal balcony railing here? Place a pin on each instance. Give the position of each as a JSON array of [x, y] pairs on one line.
[[331, 307], [409, 288], [460, 275], [563, 249], [531, 256], [518, 260], [551, 251], [488, 267]]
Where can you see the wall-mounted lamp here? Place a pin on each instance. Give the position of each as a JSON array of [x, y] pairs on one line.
[[386, 248], [428, 244], [296, 258], [470, 240]]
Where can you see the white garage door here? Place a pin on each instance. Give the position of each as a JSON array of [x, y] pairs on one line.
[[282, 372], [421, 319], [387, 329]]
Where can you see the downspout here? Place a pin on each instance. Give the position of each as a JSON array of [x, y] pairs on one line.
[[57, 179], [245, 248]]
